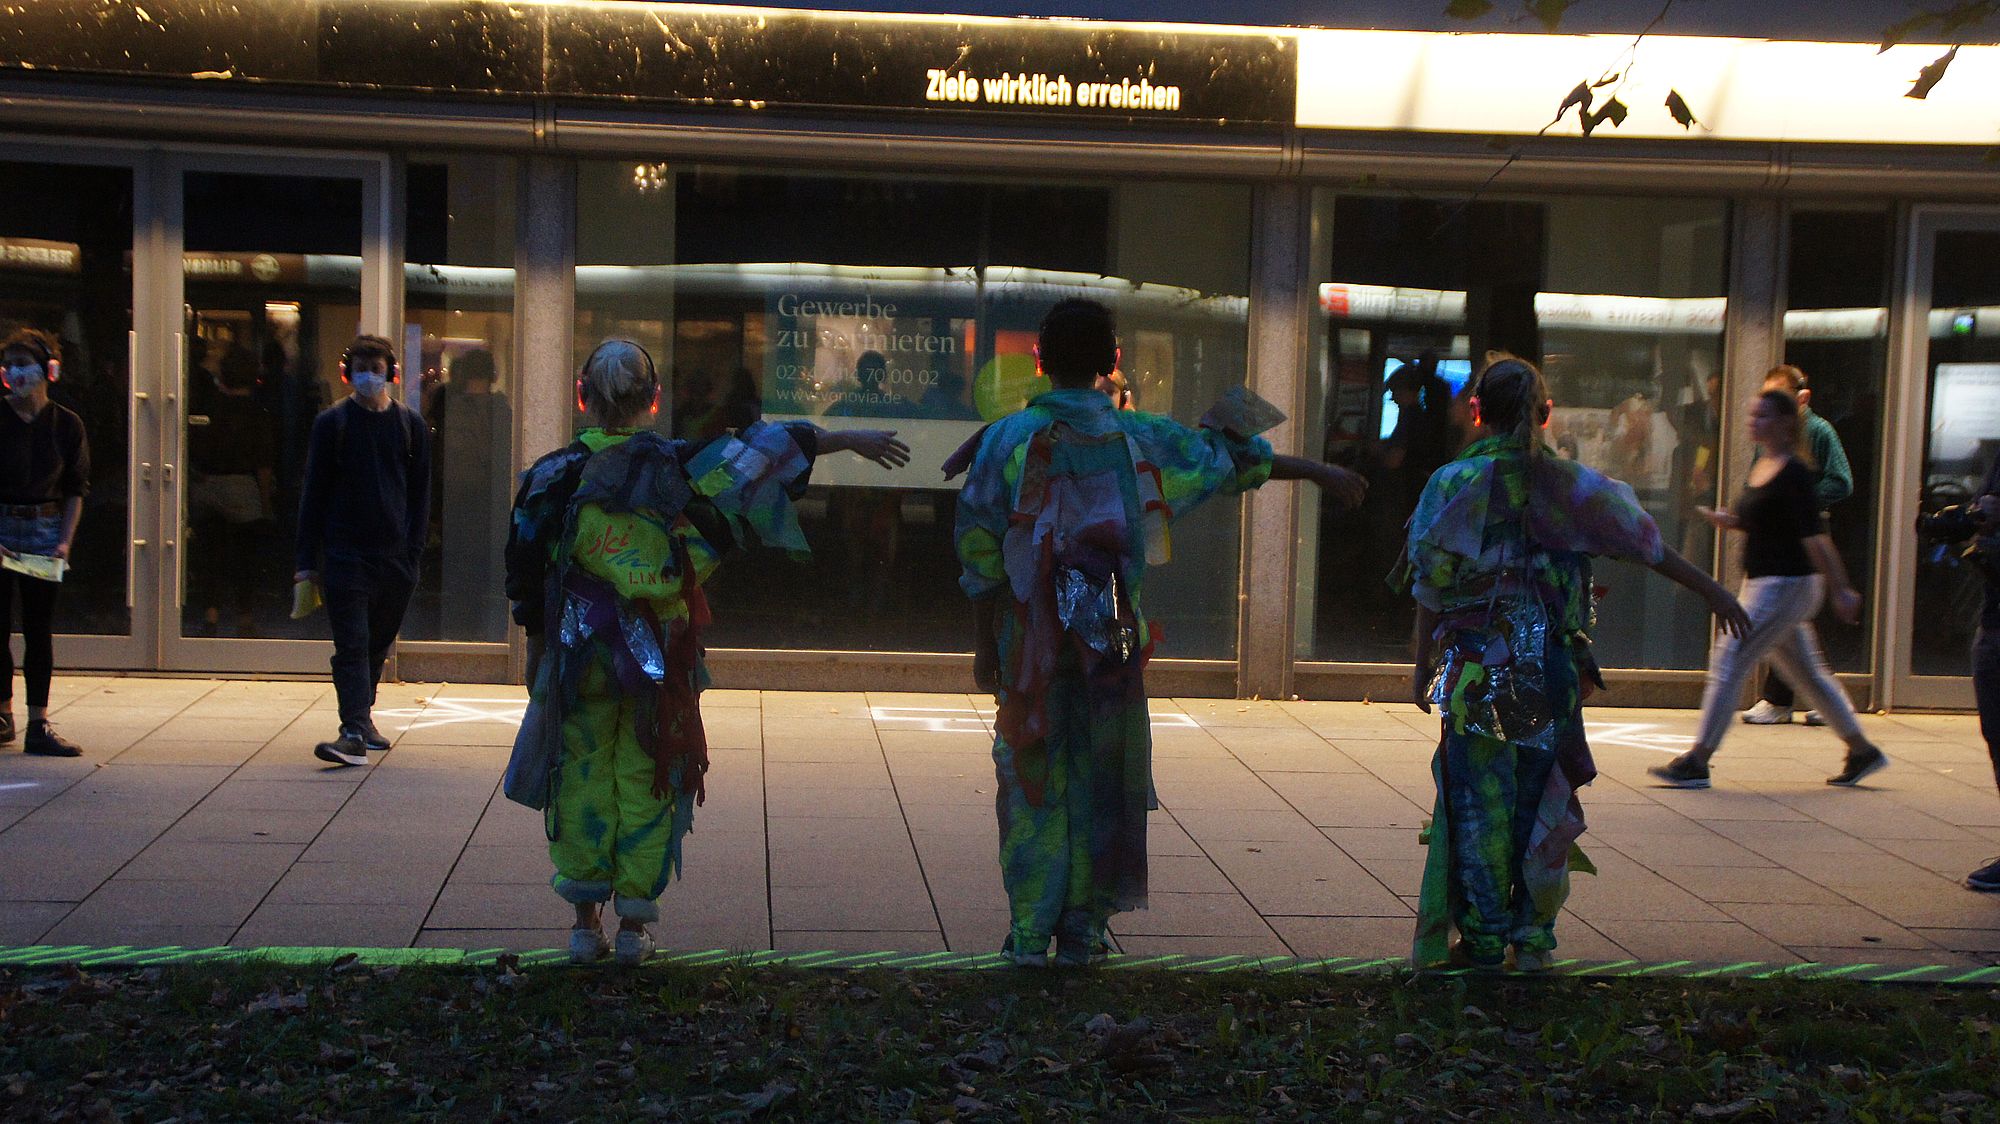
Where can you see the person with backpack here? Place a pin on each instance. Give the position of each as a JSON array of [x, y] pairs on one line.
[[364, 512], [611, 539], [1067, 503], [1498, 561]]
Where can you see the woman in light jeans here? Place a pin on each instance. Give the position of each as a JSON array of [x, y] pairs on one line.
[[1788, 564]]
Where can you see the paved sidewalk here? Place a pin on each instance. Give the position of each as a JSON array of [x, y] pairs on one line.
[[865, 822]]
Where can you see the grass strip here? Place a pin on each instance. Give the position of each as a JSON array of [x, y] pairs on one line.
[[328, 1034]]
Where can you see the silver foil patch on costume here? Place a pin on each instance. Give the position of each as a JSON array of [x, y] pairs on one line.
[[644, 646], [575, 621], [1089, 609]]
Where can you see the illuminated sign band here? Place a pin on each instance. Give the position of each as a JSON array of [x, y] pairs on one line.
[[1738, 89], [728, 59]]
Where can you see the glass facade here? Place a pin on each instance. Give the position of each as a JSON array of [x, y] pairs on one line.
[[1837, 332], [1620, 300], [271, 283], [458, 343], [66, 268], [1961, 439], [909, 303]]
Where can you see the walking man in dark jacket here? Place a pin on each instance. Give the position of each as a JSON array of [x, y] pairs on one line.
[[363, 516]]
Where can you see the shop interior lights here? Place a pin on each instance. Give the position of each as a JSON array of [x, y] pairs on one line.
[[648, 178]]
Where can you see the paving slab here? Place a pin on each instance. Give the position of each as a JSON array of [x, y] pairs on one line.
[[863, 821]]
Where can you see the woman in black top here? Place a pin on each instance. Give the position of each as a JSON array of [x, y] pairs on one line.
[[44, 473], [1788, 562]]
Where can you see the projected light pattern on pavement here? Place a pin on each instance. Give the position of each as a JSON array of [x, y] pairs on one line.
[[968, 720]]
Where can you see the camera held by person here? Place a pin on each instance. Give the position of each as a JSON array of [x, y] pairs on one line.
[[1976, 520]]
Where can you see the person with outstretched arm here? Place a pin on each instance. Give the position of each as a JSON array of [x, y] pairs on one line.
[[1066, 504]]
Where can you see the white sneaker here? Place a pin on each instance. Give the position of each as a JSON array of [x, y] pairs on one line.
[[1813, 718], [587, 946], [633, 948], [1765, 713]]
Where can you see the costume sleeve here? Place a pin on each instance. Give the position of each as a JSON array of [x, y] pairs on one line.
[[1576, 508], [806, 436], [1836, 476], [539, 510], [1447, 519], [418, 479], [983, 507], [316, 488], [752, 479], [1195, 464]]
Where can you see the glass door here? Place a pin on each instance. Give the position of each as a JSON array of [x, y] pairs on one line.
[[70, 231], [276, 263], [1948, 341]]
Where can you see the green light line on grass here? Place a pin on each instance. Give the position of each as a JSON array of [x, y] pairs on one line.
[[118, 956]]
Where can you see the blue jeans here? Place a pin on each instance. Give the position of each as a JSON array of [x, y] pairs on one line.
[[33, 534], [365, 601]]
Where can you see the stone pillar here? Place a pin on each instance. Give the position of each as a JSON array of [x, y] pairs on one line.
[[544, 316], [1277, 372]]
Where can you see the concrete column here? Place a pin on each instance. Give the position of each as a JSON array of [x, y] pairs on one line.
[[1269, 570], [1754, 342], [544, 316]]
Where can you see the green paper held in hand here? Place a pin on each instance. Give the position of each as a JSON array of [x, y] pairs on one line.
[[46, 567], [305, 599]]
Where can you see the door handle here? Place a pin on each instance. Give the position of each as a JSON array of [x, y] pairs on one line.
[[146, 472], [132, 437]]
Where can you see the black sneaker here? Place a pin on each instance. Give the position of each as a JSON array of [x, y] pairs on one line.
[[1682, 772], [347, 749], [1986, 879], [6, 727], [1859, 765], [372, 738], [43, 741]]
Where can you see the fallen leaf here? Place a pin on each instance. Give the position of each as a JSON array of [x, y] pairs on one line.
[[277, 1002]]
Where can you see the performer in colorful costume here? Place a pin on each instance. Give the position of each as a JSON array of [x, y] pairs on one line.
[[1498, 560], [1067, 503], [611, 539]]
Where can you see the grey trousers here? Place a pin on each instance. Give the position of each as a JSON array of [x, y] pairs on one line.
[[1781, 611]]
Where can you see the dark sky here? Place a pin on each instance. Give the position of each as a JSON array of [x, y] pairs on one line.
[[1838, 20]]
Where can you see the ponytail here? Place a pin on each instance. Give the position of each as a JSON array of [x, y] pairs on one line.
[[1512, 398]]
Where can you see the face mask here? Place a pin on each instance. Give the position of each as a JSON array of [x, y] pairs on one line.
[[22, 380], [368, 384]]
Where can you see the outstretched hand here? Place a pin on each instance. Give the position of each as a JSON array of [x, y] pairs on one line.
[[1847, 605], [1729, 613], [878, 445], [1721, 517], [1347, 487]]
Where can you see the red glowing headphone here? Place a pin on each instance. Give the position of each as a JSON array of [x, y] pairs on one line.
[[652, 373], [36, 343], [371, 344]]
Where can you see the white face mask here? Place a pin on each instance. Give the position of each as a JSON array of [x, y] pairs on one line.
[[368, 384], [22, 380]]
